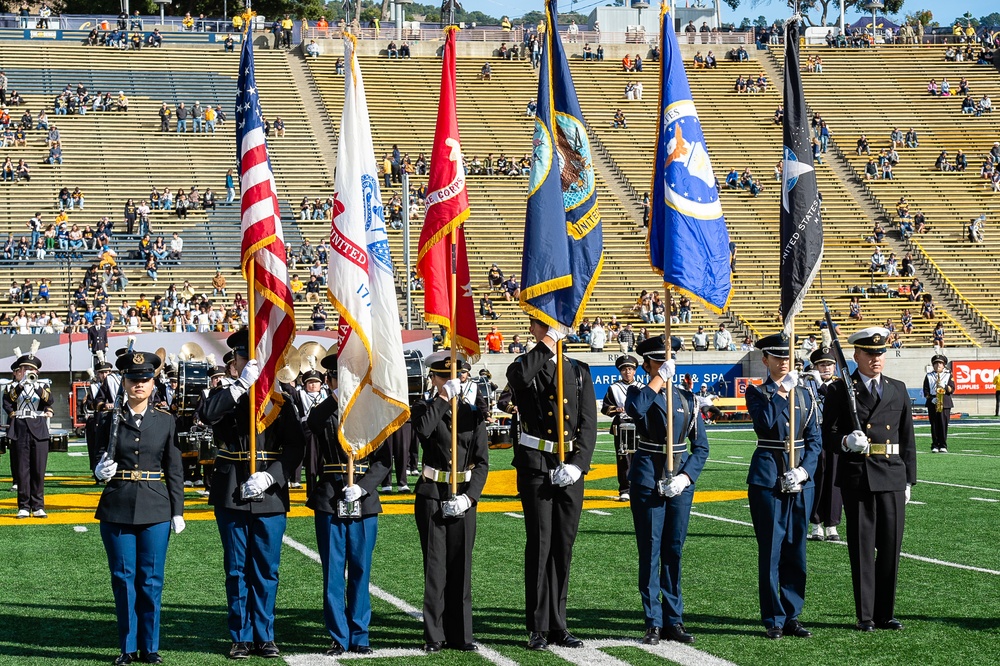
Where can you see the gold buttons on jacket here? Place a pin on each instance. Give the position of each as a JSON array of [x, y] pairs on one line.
[[549, 431], [869, 426], [550, 413], [887, 427]]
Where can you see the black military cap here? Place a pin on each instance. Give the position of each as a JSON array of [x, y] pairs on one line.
[[655, 348], [120, 352], [228, 357], [103, 366], [822, 355], [239, 342], [774, 345], [330, 362], [626, 361], [440, 362], [486, 373], [939, 357], [219, 371], [312, 375], [871, 339], [138, 365]]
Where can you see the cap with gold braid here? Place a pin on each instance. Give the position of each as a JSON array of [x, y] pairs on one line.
[[138, 365], [871, 339], [439, 363]]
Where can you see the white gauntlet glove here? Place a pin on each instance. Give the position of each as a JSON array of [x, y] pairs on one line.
[[456, 506], [353, 493], [789, 381], [557, 333], [907, 493], [856, 442], [666, 371], [677, 485], [792, 480], [256, 485], [177, 524], [251, 371], [105, 468], [565, 475], [452, 388]]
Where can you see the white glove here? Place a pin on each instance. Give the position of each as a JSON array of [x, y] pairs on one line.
[[353, 493], [256, 485], [666, 371], [251, 371], [677, 485], [177, 524], [105, 468], [907, 493], [557, 333], [789, 381], [792, 480], [856, 442], [452, 388], [815, 376], [456, 506], [566, 475]]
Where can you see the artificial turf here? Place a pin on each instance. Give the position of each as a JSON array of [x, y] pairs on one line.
[[56, 605]]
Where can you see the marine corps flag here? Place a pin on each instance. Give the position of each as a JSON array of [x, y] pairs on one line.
[[371, 369], [563, 239], [447, 208], [688, 240], [801, 221]]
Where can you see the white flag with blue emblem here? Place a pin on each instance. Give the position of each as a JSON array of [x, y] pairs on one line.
[[371, 371]]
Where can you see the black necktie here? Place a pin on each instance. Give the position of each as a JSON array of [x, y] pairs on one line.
[[137, 419]]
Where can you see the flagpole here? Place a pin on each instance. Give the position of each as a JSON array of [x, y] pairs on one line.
[[560, 411], [252, 350], [453, 295], [791, 394], [668, 307]]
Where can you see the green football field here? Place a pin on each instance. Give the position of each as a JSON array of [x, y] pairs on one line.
[[56, 605]]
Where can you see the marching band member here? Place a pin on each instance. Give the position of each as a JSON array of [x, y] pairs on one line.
[[614, 406], [97, 401], [136, 514], [939, 385], [446, 523], [661, 507], [828, 505], [28, 403], [250, 509], [346, 523], [307, 396]]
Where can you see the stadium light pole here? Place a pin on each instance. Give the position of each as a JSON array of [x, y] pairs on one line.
[[874, 5], [406, 250]]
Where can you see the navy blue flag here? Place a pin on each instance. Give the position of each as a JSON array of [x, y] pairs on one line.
[[563, 238], [688, 240], [801, 220]]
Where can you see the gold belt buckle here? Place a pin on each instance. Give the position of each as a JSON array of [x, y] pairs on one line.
[[135, 475]]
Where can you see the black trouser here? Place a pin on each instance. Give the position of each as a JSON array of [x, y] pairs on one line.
[[447, 547], [828, 505], [874, 523], [92, 444], [400, 443], [129, 224], [287, 39], [939, 425], [551, 520], [28, 459], [624, 463]]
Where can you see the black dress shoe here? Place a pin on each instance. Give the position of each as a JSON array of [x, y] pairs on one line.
[[676, 632], [652, 636], [774, 633], [563, 638], [433, 646], [469, 647], [152, 658], [126, 658], [536, 641], [362, 649], [240, 650], [795, 628], [891, 625], [336, 649], [865, 625], [268, 650]]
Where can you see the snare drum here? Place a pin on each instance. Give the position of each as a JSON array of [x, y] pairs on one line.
[[208, 450], [625, 444], [58, 443], [499, 436], [190, 443], [192, 379]]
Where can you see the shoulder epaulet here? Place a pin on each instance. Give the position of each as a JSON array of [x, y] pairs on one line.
[[162, 410]]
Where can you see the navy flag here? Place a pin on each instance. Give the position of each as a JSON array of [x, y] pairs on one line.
[[801, 220], [688, 240], [563, 239]]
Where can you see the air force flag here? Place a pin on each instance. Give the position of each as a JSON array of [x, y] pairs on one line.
[[688, 240]]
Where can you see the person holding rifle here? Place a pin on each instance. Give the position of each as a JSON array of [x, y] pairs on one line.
[[139, 454], [446, 521], [867, 423], [780, 493], [939, 386], [661, 498]]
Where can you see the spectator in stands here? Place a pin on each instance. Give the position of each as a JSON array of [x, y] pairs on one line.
[[723, 339], [961, 161], [942, 163], [945, 88], [176, 247], [208, 198], [598, 335], [626, 338], [151, 267], [916, 289], [486, 73], [182, 114], [181, 205], [863, 146], [779, 114], [619, 120], [219, 284], [906, 321], [486, 308], [312, 50], [494, 341], [855, 308], [230, 187], [699, 340], [55, 154], [511, 288], [230, 44]]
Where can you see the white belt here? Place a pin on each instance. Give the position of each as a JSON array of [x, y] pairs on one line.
[[29, 414], [442, 476], [532, 442]]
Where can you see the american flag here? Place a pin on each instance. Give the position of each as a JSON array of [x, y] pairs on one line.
[[263, 247]]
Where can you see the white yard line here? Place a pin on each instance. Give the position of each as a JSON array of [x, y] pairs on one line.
[[983, 499], [512, 514], [957, 485], [668, 650], [598, 512], [588, 655]]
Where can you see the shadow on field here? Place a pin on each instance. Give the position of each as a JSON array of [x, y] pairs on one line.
[[969, 623], [48, 630]]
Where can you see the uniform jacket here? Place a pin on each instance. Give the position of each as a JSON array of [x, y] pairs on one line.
[[615, 397], [431, 420], [230, 420], [888, 421], [769, 412], [324, 421], [649, 408], [152, 447], [930, 389], [97, 338], [532, 379], [36, 426]]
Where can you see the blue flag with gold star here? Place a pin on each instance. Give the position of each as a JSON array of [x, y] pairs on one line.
[[563, 237], [688, 240]]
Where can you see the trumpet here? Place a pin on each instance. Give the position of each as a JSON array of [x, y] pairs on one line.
[[940, 395], [30, 377]]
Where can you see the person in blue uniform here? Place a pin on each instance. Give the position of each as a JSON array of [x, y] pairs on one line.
[[828, 505], [143, 499], [661, 502], [780, 494], [447, 523], [250, 509], [877, 466], [28, 403], [614, 406], [551, 491], [343, 540], [939, 414]]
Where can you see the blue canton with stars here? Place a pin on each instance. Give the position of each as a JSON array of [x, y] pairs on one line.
[[248, 113]]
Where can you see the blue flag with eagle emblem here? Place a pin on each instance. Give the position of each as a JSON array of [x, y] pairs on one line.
[[563, 238], [801, 220], [688, 240]]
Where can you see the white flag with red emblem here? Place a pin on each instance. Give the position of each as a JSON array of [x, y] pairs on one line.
[[371, 369]]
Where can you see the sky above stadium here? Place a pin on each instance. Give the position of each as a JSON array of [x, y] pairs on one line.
[[945, 11]]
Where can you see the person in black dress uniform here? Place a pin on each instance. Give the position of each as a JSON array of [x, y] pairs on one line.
[[344, 540], [614, 406], [28, 403], [828, 505], [661, 506], [446, 523], [551, 492], [939, 386], [781, 496], [877, 466], [143, 499], [97, 402], [250, 509]]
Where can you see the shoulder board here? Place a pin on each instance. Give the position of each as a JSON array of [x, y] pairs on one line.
[[162, 410]]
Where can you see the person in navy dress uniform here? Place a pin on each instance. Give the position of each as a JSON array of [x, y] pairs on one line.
[[939, 386], [143, 499], [661, 502], [781, 495], [250, 510], [614, 406], [828, 505], [877, 466], [446, 523], [551, 492], [28, 403], [344, 540]]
